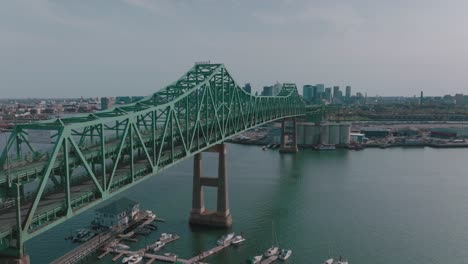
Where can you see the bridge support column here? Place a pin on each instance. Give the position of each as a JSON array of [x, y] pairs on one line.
[[15, 260], [199, 215], [288, 137]]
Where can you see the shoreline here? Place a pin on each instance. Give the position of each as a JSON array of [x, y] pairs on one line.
[[431, 145]]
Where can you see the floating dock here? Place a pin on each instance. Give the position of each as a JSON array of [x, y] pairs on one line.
[[92, 245], [270, 259], [153, 257]]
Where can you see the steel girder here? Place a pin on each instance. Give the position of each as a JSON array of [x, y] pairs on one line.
[[94, 157]]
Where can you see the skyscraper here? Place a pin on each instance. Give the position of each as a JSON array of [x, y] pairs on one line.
[[267, 91], [248, 88], [348, 92], [307, 92], [336, 91], [327, 95], [277, 88]]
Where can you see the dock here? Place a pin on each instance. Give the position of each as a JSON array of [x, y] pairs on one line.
[[270, 260], [99, 241], [154, 257], [84, 249], [208, 253]]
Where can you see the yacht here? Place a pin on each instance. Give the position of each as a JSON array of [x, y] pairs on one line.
[[171, 255], [325, 147], [285, 254], [225, 239], [135, 260], [158, 245], [165, 236], [340, 261], [81, 233], [119, 246], [271, 252], [256, 259], [87, 236], [132, 259], [237, 240]]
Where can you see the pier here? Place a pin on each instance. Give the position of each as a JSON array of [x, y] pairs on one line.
[[92, 245], [270, 259], [154, 257]]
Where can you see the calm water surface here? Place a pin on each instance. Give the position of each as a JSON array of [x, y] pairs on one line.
[[373, 206]]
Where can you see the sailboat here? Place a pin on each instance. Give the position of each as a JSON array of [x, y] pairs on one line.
[[273, 250]]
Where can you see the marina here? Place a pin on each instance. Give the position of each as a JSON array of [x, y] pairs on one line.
[[170, 258]]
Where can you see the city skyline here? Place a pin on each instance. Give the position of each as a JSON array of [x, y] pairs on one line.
[[70, 49]]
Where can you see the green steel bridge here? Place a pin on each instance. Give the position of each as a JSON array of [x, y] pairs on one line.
[[52, 170]]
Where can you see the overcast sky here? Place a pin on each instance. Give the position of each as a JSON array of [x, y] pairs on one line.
[[134, 47]]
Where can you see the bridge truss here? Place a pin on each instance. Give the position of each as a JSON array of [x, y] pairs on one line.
[[87, 159]]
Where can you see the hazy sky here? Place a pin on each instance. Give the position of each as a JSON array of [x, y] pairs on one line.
[[134, 47]]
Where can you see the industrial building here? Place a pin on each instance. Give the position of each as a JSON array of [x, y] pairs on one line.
[[443, 132], [311, 134], [372, 132], [356, 138]]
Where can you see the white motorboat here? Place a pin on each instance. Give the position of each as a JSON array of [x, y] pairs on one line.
[[285, 254], [165, 236], [256, 259], [170, 255], [237, 240], [79, 235], [225, 239], [135, 260], [271, 252], [340, 261], [119, 246], [132, 259], [158, 245]]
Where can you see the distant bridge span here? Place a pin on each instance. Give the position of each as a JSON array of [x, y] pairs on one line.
[[74, 163]]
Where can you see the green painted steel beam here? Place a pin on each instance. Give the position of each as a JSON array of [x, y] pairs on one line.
[[203, 108]]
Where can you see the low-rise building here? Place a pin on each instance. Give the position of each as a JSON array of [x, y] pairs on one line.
[[443, 132], [371, 132], [117, 213]]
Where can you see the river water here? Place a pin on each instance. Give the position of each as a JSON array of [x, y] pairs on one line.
[[373, 206]]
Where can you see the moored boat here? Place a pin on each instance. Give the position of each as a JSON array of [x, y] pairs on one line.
[[255, 259], [271, 252], [340, 261], [132, 259], [165, 237], [224, 239], [158, 246], [237, 240], [285, 254], [80, 234], [325, 147]]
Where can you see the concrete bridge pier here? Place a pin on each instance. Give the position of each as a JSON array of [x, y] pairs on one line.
[[288, 137], [199, 215]]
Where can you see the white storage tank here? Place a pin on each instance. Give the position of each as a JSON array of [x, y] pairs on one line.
[[315, 135], [344, 133], [324, 134], [300, 133], [334, 134], [309, 134]]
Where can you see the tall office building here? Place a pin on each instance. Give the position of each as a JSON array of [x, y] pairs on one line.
[[247, 88], [267, 91], [336, 91], [348, 91], [327, 95], [277, 88], [307, 92]]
